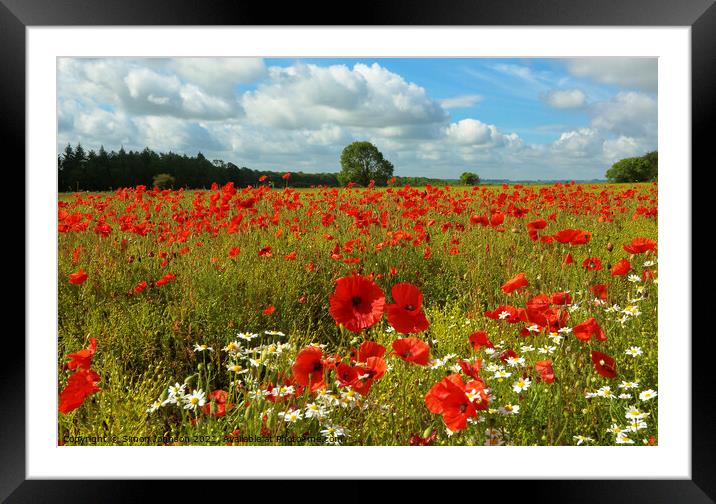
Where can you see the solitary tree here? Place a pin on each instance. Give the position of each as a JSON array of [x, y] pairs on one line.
[[163, 181], [635, 169], [362, 162], [469, 178]]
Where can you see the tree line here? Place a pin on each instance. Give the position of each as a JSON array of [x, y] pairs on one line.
[[82, 170], [86, 170]]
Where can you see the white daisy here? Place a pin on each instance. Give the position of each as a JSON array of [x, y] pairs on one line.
[[291, 416], [647, 395], [582, 439], [233, 347], [634, 351], [237, 368], [623, 438], [521, 385], [195, 400], [634, 413], [509, 409]]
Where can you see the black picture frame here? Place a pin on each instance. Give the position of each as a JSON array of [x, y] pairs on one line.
[[700, 15]]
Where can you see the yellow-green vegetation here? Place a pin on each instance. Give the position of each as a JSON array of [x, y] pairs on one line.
[[166, 280]]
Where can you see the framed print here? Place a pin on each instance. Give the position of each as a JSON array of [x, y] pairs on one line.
[[271, 247]]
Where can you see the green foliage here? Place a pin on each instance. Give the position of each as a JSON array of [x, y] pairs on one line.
[[102, 171], [635, 169], [163, 181], [469, 178], [362, 162]]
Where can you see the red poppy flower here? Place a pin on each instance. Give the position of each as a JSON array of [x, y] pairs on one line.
[[573, 236], [600, 291], [308, 368], [140, 287], [412, 350], [83, 358], [79, 277], [604, 364], [346, 374], [368, 349], [81, 384], [566, 235], [479, 339], [290, 256], [514, 283], [567, 259], [286, 176], [538, 303], [544, 368], [507, 313], [269, 310], [449, 399], [621, 268], [165, 279], [373, 369], [561, 298], [581, 238], [357, 303], [592, 264], [470, 369], [406, 315], [217, 399], [587, 329], [497, 219], [234, 251], [507, 354], [265, 252], [640, 245], [76, 254], [537, 224], [103, 229], [262, 178]]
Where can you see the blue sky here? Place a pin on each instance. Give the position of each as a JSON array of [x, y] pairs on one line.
[[502, 118]]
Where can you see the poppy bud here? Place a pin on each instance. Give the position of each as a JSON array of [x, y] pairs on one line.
[[610, 246]]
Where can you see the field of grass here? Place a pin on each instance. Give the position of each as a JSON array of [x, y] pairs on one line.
[[215, 294]]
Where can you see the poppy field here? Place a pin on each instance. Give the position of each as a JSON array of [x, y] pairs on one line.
[[487, 315]]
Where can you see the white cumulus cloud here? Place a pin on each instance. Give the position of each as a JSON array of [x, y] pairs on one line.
[[308, 96], [566, 98], [640, 73]]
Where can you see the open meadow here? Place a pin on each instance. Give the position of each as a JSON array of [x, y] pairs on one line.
[[485, 315]]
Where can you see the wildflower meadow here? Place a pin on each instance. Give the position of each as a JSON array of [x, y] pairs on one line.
[[487, 315]]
